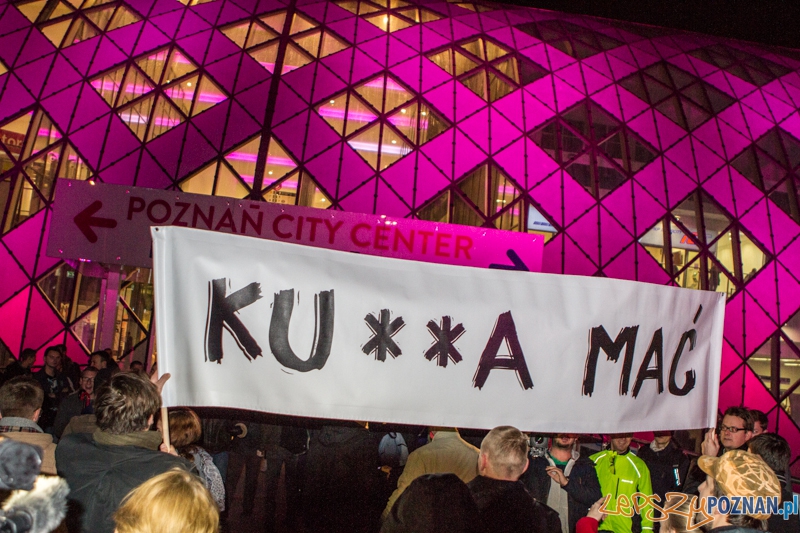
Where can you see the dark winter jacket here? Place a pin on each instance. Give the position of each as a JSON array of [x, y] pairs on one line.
[[100, 476], [583, 488], [668, 468], [507, 507]]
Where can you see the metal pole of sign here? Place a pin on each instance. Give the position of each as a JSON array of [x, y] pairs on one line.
[[108, 309], [151, 357]]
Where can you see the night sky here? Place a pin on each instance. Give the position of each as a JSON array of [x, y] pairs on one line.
[[772, 22]]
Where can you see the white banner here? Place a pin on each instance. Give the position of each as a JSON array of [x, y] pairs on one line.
[[297, 330]]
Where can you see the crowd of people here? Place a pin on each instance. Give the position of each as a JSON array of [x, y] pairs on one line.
[[99, 428]]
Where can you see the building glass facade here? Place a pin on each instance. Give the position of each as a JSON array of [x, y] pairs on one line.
[[639, 153]]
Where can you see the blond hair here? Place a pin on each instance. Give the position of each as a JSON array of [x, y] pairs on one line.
[[507, 449], [172, 502]]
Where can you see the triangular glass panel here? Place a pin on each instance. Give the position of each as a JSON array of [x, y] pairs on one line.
[[333, 112], [687, 213], [366, 144], [55, 32], [60, 9], [393, 147], [494, 51], [72, 166], [428, 16], [720, 277], [498, 87], [294, 59], [464, 214], [475, 47], [635, 85], [753, 257], [609, 176], [330, 45], [444, 60], [470, 7], [656, 245], [581, 171], [25, 201], [201, 182], [229, 185], [79, 31], [406, 121], [695, 115], [165, 117], [207, 95], [438, 210], [614, 148], [771, 143], [44, 133], [310, 194], [508, 68], [284, 192], [578, 119], [476, 83], [396, 95], [85, 329], [382, 3], [715, 220], [463, 63], [603, 124], [572, 145], [42, 171], [430, 125], [300, 24], [275, 21], [660, 72], [137, 116], [474, 187], [349, 5], [656, 91], [373, 92], [719, 100], [697, 95], [243, 159], [771, 172], [546, 138], [58, 287], [178, 66], [365, 8], [639, 153], [279, 163], [100, 17], [358, 115], [259, 35], [123, 17], [266, 56], [502, 191], [238, 33], [510, 219], [135, 85], [31, 10], [396, 4], [380, 20], [680, 78], [310, 42], [14, 133], [760, 361], [3, 68], [182, 93], [411, 13], [747, 165], [674, 111], [397, 23], [690, 270], [153, 64], [784, 197], [87, 4]]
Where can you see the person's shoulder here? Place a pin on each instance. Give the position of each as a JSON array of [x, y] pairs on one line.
[[595, 457]]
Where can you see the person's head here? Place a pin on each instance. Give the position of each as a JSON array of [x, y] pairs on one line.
[[184, 428], [27, 358], [736, 428], [137, 366], [21, 397], [504, 454], [565, 441], [678, 520], [126, 403], [173, 501], [99, 360], [773, 449], [742, 474], [620, 442], [662, 438], [52, 358], [434, 502], [87, 379], [760, 422]]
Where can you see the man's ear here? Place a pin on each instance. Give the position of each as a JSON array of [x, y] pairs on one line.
[[36, 414], [527, 464]]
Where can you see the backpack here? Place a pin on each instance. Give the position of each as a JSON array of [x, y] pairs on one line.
[[393, 450]]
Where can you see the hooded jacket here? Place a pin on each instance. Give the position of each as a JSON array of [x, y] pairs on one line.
[[623, 475]]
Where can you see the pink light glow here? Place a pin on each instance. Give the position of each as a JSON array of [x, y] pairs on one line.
[[182, 94], [49, 133], [338, 113], [391, 85], [391, 149], [252, 158], [158, 121]]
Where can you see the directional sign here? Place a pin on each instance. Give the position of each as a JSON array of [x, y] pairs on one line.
[[111, 224]]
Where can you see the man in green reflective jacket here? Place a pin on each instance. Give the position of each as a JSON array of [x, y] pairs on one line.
[[622, 474]]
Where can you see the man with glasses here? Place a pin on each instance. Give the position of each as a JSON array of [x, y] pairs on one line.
[[77, 403], [735, 430]]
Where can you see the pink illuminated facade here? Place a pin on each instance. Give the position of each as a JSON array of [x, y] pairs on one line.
[[639, 153]]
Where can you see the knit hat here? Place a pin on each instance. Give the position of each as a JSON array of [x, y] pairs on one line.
[[741, 473]]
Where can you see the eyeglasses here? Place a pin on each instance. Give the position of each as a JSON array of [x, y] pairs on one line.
[[87, 379], [729, 429]]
